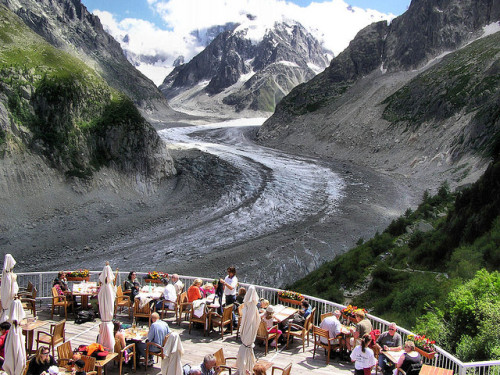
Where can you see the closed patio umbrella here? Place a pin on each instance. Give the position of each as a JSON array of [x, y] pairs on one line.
[[9, 287], [172, 351], [15, 351], [106, 298], [249, 326]]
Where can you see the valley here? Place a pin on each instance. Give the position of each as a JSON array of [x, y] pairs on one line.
[[274, 215]]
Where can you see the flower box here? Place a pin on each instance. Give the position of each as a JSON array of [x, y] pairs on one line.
[[77, 278], [153, 281], [423, 353], [291, 301]]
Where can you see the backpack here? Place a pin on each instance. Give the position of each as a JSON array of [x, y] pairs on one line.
[[84, 316]]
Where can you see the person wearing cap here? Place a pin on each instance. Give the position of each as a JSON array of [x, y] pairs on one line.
[[268, 319], [42, 361], [80, 367]]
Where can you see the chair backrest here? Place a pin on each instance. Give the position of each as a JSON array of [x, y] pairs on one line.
[[64, 351], [310, 320], [326, 315], [220, 360], [240, 309], [287, 369], [89, 363], [58, 332], [34, 292], [144, 311], [433, 370], [262, 330], [55, 294], [119, 292], [318, 333], [29, 288], [227, 313]]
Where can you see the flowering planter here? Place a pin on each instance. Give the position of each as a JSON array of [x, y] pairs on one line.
[[153, 281], [349, 318], [290, 301], [77, 278], [425, 354]]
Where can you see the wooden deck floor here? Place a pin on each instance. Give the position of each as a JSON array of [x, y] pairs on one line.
[[196, 347]]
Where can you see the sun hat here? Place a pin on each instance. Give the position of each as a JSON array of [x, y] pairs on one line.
[[270, 309]]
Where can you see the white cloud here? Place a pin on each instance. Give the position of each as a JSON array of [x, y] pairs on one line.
[[332, 22]]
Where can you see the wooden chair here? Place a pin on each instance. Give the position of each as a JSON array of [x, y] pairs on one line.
[[26, 292], [264, 335], [301, 331], [184, 307], [203, 319], [217, 320], [325, 315], [145, 312], [157, 354], [284, 371], [319, 333], [56, 336], [240, 315], [29, 304], [121, 355], [221, 361], [122, 301], [167, 306], [89, 363], [59, 301], [64, 353], [433, 370]]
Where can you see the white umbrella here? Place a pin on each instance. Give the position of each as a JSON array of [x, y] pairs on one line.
[[15, 352], [9, 287], [249, 326], [106, 298], [172, 351]]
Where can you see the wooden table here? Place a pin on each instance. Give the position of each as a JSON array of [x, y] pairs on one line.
[[28, 328], [392, 356], [267, 365], [103, 362], [136, 334], [84, 291], [284, 313]]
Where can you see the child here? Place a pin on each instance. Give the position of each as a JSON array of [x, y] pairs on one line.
[[363, 357], [80, 367], [268, 318]]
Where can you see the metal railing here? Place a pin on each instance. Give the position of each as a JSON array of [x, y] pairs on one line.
[[43, 282]]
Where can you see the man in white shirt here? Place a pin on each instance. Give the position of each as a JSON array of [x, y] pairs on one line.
[[230, 285], [179, 286], [169, 294], [332, 325]]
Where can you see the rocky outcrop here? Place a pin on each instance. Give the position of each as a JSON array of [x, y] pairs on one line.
[[67, 25], [246, 74], [342, 112]]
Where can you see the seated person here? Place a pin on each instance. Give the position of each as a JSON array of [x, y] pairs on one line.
[[61, 280], [41, 362], [132, 284], [363, 327], [79, 367], [169, 294], [207, 289], [208, 367], [300, 316], [4, 329], [332, 325], [194, 291], [388, 341], [157, 332], [179, 286], [268, 319], [410, 361], [263, 305], [241, 296]]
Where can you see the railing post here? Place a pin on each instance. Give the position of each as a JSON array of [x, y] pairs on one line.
[[462, 370]]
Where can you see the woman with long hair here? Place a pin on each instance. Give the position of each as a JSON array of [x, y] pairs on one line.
[[363, 357], [42, 361]]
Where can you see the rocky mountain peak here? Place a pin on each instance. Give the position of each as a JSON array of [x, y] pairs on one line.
[[287, 55]]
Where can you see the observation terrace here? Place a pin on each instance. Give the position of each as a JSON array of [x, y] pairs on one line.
[[196, 346]]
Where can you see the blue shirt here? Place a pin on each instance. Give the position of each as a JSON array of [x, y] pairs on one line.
[[307, 311], [158, 331]]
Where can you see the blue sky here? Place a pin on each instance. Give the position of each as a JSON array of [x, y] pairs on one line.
[[164, 28]]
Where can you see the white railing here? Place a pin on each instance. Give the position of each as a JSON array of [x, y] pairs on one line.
[[43, 282]]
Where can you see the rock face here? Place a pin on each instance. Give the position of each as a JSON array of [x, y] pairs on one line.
[[390, 100], [245, 74], [67, 25], [55, 108]]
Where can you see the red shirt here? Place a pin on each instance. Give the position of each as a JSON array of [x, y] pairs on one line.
[[194, 293], [2, 344]]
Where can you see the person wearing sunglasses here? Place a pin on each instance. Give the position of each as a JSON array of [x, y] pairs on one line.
[[389, 341], [42, 361]]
